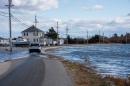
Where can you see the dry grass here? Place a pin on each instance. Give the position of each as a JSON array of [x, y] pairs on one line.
[[85, 76], [118, 81]]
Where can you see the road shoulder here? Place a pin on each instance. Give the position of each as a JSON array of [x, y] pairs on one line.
[[56, 74]]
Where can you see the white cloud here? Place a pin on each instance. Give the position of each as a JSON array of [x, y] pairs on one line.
[[94, 8], [119, 20], [117, 25], [98, 7], [32, 4]]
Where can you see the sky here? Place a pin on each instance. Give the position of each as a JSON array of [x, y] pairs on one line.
[[80, 16]]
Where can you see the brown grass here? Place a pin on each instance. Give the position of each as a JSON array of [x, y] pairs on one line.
[[118, 81], [85, 76]]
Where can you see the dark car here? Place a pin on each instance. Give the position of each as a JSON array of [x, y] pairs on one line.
[[35, 48]]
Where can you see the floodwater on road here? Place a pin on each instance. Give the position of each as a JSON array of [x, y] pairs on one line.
[[16, 53], [106, 59]]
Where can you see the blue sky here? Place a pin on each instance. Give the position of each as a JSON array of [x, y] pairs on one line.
[[108, 16]]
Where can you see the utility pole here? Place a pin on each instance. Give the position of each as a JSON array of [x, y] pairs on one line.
[[103, 38], [36, 22], [126, 38], [87, 37], [99, 36], [103, 35], [57, 32], [67, 30], [10, 24]]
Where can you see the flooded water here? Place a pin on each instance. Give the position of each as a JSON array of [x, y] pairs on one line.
[[17, 53], [111, 59]]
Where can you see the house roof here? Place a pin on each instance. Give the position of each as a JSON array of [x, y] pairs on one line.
[[32, 29]]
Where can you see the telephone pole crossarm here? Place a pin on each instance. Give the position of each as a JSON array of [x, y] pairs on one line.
[[36, 21]]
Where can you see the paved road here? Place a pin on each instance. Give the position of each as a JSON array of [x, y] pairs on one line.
[[30, 73], [37, 72], [55, 74]]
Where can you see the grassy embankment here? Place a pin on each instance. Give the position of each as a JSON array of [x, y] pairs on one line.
[[85, 76]]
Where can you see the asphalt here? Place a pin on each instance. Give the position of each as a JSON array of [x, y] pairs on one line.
[[55, 74], [36, 71]]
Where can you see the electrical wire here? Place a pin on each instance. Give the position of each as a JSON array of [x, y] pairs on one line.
[[15, 20], [18, 20], [3, 14]]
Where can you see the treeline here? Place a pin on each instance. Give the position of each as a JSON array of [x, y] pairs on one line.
[[99, 39]]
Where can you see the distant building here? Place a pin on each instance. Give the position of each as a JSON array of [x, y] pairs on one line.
[[33, 35], [46, 40], [61, 41], [4, 41]]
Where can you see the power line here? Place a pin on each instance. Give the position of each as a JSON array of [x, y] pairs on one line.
[[20, 21], [4, 15], [3, 12], [15, 19]]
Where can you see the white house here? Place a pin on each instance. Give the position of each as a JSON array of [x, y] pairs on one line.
[[61, 41], [4, 41], [33, 34], [46, 41]]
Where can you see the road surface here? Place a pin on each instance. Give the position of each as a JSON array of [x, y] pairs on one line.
[[36, 71]]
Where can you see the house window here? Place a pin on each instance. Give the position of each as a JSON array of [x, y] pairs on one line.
[[24, 34], [33, 40], [35, 33], [37, 40]]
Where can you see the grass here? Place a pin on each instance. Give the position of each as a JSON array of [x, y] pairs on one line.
[[85, 76], [118, 81]]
